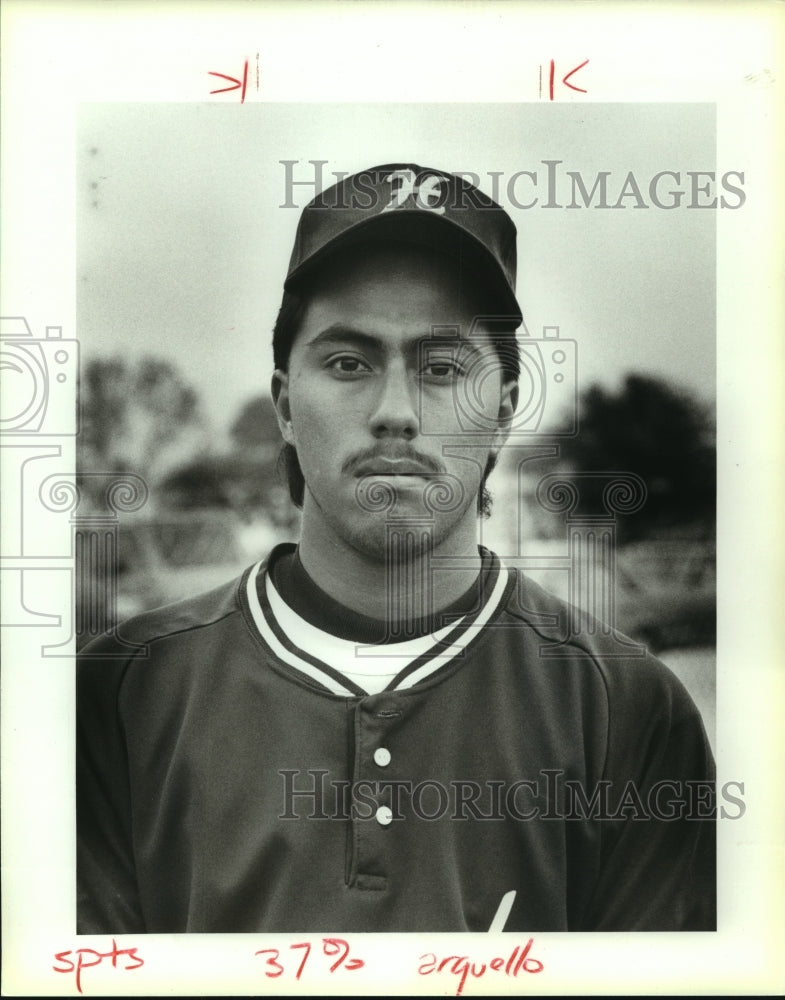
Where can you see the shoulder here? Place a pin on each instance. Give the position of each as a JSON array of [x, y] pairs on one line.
[[192, 614], [157, 656], [628, 672], [185, 631], [637, 708]]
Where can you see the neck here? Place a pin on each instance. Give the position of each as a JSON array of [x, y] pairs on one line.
[[410, 587]]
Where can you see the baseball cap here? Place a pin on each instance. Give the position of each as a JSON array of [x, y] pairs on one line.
[[412, 204]]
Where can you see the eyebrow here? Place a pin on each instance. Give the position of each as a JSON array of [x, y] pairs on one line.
[[341, 333]]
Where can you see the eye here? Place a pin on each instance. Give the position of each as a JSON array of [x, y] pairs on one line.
[[347, 365], [442, 369]]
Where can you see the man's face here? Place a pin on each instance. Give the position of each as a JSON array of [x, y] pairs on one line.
[[372, 399]]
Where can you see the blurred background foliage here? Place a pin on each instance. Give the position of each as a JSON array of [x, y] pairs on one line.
[[146, 418], [665, 436], [215, 505]]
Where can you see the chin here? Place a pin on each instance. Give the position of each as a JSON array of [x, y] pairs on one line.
[[397, 541], [394, 544], [393, 533]]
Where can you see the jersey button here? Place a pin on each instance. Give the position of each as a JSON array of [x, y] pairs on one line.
[[382, 756], [384, 815]]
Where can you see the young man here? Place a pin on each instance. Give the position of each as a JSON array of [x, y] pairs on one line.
[[383, 728]]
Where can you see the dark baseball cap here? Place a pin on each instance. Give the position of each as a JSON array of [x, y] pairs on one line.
[[412, 204]]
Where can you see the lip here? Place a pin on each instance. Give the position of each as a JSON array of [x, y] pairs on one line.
[[392, 467]]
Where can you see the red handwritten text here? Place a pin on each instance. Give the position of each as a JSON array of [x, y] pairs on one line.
[[86, 958], [461, 966], [237, 84], [565, 79], [335, 948]]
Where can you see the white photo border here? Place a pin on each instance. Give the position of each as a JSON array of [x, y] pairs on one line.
[[56, 56]]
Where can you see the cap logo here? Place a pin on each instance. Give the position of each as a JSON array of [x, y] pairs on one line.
[[424, 193]]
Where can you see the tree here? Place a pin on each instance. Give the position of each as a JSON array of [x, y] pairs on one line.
[[247, 484], [256, 426], [246, 479], [257, 482], [138, 417], [662, 434]]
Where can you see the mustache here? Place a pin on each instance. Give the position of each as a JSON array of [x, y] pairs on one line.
[[411, 461]]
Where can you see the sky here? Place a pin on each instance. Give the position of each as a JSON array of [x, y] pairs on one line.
[[185, 226]]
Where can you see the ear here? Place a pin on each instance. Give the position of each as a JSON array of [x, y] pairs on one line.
[[508, 404], [279, 390]]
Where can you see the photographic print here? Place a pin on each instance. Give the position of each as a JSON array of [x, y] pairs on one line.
[[370, 494]]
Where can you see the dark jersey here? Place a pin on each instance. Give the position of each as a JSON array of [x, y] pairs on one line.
[[515, 773]]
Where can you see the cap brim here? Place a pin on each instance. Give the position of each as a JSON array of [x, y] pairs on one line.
[[421, 229]]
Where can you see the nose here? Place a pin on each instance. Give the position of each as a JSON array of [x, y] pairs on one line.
[[396, 409]]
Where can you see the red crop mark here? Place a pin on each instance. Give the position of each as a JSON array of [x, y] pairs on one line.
[[236, 84], [565, 79], [571, 73]]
